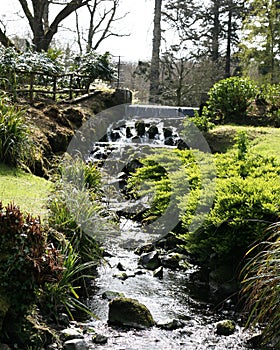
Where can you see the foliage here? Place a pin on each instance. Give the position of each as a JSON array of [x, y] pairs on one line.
[[221, 214], [173, 178], [15, 144], [202, 122], [242, 144], [93, 66], [12, 61], [16, 68], [27, 260], [72, 209], [229, 100], [246, 201], [64, 293], [261, 285], [260, 44], [270, 98]]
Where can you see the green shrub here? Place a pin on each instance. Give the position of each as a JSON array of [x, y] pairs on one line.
[[178, 180], [270, 96], [161, 176], [94, 66], [15, 144], [229, 100], [246, 201], [261, 285], [202, 122]]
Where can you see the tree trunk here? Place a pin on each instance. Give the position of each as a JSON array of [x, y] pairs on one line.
[[154, 74], [215, 31], [228, 53]]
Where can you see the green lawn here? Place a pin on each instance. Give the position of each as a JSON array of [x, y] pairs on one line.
[[27, 191], [264, 140]]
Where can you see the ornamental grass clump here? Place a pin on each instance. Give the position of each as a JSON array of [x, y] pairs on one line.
[[261, 286], [15, 145]]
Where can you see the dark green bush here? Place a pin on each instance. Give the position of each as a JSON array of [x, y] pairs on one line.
[[229, 100], [270, 99]]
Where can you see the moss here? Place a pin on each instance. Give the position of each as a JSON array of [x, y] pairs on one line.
[[226, 327], [129, 313]]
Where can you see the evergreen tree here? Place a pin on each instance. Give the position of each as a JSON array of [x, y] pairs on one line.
[[261, 42]]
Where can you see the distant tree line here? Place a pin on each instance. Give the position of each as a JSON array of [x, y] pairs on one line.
[[212, 40]]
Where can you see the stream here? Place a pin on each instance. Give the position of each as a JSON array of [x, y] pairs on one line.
[[174, 296]]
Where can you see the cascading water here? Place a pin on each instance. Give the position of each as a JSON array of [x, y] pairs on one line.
[[175, 296]]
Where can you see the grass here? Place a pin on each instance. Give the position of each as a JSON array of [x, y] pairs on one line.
[[264, 140], [27, 191]]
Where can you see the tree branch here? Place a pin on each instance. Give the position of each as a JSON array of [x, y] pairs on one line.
[[28, 14], [5, 41], [65, 12]]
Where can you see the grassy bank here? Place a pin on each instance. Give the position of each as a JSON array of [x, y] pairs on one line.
[[26, 190], [264, 140]]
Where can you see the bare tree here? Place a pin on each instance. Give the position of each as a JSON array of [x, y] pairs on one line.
[[102, 15], [37, 15]]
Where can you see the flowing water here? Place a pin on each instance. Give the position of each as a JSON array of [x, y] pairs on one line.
[[174, 296]]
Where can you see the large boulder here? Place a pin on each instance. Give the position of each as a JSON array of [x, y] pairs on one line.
[[140, 128], [153, 131], [129, 312]]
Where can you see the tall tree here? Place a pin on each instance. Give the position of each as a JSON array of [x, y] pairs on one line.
[[154, 73], [37, 16], [234, 12], [261, 43]]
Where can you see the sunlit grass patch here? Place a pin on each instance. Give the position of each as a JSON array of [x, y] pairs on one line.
[[27, 191]]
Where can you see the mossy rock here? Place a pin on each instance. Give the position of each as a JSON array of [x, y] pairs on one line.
[[127, 312], [226, 327]]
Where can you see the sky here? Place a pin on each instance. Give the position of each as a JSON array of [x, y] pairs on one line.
[[138, 23]]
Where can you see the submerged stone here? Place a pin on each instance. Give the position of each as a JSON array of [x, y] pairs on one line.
[[150, 261], [99, 339], [110, 295], [144, 248], [152, 131], [140, 128], [129, 312], [75, 344], [171, 325]]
